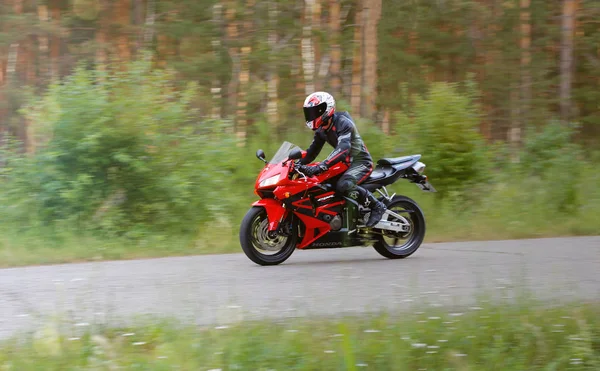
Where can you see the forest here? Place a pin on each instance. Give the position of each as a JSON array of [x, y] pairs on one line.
[[254, 61], [128, 117]]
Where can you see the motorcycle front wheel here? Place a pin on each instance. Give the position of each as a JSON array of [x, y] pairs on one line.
[[260, 246]]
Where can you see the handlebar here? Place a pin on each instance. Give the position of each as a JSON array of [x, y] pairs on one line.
[[295, 168]]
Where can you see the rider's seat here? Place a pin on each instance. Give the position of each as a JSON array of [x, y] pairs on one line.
[[379, 173]]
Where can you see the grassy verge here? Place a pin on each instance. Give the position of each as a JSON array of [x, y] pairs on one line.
[[40, 249], [509, 209], [518, 337]]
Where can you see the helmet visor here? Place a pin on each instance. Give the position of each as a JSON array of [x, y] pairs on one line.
[[311, 113]]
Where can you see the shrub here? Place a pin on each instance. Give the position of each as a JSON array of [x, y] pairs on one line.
[[551, 155], [121, 153], [443, 128]]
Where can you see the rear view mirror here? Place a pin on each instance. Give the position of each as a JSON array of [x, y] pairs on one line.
[[295, 154], [260, 154]]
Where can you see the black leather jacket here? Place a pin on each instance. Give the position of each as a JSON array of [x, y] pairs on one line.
[[344, 137]]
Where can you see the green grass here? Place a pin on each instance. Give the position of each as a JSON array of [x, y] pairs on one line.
[[518, 337], [40, 246]]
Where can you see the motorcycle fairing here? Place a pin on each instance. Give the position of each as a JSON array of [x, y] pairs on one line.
[[317, 203], [346, 235], [291, 190], [315, 229]]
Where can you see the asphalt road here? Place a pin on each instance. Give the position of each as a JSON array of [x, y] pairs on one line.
[[218, 289]]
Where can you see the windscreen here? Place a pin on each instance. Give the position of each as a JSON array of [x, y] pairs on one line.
[[282, 153]]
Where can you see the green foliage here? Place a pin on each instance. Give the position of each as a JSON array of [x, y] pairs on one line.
[[444, 130], [125, 152], [521, 336], [551, 155], [543, 148], [126, 155]]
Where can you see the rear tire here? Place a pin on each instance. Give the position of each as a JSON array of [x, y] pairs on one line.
[[254, 239], [387, 245]]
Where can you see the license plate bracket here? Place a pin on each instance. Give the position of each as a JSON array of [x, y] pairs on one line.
[[426, 186]]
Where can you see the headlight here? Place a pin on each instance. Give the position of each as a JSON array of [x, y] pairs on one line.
[[269, 181]]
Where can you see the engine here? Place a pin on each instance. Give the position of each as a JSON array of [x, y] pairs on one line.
[[335, 222]]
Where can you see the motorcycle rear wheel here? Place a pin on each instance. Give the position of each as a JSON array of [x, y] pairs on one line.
[[388, 245], [258, 245]]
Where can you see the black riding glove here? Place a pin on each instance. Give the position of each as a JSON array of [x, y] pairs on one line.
[[312, 170]]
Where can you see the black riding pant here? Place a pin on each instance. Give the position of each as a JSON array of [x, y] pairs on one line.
[[348, 183]]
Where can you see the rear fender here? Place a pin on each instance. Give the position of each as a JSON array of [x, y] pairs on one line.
[[275, 211]]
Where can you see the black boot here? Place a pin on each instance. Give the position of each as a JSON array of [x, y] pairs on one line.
[[377, 210]]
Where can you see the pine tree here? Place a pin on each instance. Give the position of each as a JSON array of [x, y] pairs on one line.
[[566, 57]]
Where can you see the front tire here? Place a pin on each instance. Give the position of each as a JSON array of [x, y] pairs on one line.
[[388, 244], [258, 245]]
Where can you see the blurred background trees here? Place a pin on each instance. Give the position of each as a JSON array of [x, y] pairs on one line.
[[254, 61], [510, 68]]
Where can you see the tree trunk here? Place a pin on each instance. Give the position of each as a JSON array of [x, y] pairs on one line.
[[244, 76], [336, 51], [357, 62], [4, 53], [122, 16], [480, 29], [525, 61], [30, 80], [4, 77], [495, 59], [11, 63], [514, 133], [138, 16], [31, 56], [55, 41], [3, 103], [101, 36], [272, 78], [149, 25], [3, 63], [20, 61], [385, 122], [372, 15], [566, 58], [20, 54], [166, 43], [216, 83], [308, 53], [234, 54], [43, 41]]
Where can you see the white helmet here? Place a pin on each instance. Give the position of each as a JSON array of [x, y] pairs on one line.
[[318, 108]]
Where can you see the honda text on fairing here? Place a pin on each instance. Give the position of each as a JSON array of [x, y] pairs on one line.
[[296, 211]]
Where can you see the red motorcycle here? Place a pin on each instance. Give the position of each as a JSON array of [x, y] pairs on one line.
[[296, 211]]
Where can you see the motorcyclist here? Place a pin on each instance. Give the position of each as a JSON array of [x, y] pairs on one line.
[[338, 129]]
